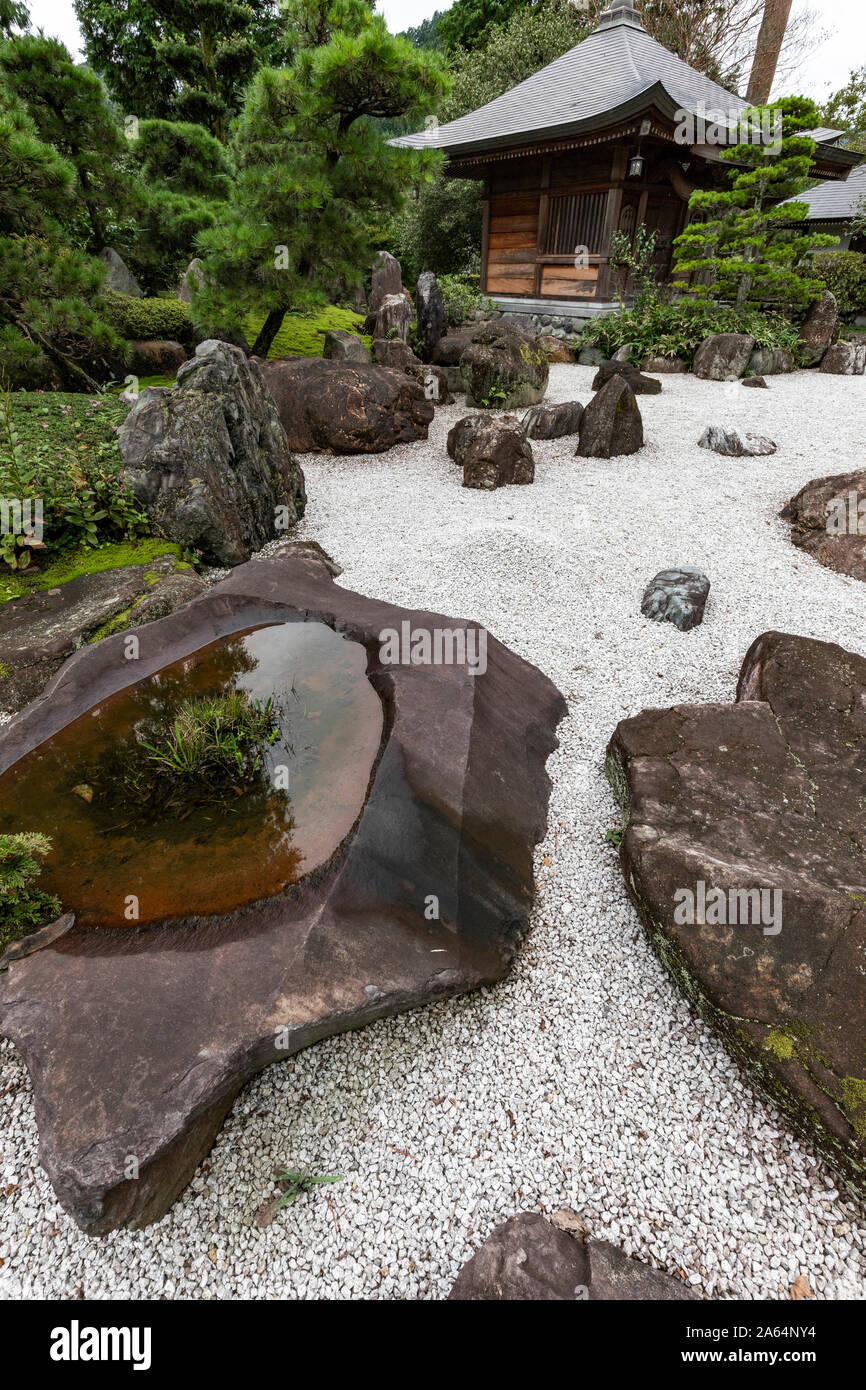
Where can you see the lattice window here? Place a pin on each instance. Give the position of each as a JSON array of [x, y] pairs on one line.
[[575, 220]]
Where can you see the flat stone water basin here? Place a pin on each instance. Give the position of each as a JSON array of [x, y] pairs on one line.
[[115, 863]]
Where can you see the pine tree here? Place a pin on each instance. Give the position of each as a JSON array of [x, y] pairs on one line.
[[50, 293], [185, 180], [741, 244], [68, 106], [186, 60], [312, 170], [13, 15]]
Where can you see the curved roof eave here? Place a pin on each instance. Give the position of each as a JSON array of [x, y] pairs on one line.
[[643, 98]]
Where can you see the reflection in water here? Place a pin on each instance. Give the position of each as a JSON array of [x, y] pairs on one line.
[[219, 848]]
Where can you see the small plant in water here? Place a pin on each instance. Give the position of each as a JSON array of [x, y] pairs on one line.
[[212, 734]]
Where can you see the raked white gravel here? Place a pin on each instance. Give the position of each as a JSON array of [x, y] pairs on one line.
[[584, 1080]]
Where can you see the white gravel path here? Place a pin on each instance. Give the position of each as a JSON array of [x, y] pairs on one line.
[[584, 1080]]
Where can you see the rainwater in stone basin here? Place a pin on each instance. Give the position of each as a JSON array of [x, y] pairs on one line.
[[203, 856]]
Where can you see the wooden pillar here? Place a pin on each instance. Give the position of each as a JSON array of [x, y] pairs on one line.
[[543, 206], [485, 231], [619, 164]]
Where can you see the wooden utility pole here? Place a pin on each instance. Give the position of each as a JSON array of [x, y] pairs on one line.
[[767, 50]]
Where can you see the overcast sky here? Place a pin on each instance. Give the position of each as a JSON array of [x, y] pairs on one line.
[[825, 69]]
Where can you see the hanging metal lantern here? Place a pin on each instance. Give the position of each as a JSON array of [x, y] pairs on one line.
[[635, 166]]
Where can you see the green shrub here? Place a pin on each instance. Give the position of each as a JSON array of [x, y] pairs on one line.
[[844, 274], [149, 318], [461, 296], [677, 330], [23, 908]]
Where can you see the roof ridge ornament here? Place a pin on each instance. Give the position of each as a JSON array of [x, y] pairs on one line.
[[621, 12]]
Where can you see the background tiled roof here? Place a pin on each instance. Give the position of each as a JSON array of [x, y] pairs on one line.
[[614, 65], [836, 200]]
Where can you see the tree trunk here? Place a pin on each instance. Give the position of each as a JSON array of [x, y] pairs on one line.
[[767, 50], [268, 331]]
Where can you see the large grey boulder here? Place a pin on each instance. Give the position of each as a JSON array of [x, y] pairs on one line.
[[529, 1259], [119, 277], [430, 315], [209, 460], [342, 346], [503, 367], [723, 356], [844, 359], [611, 425], [820, 329]]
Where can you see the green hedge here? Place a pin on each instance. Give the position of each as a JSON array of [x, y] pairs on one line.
[[844, 274], [149, 318]]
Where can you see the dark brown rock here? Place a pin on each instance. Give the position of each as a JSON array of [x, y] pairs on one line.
[[497, 455], [393, 352], [828, 518], [641, 385], [611, 424], [755, 381], [461, 435], [40, 630], [139, 1040], [529, 1260], [723, 356], [744, 851], [209, 460], [346, 408], [449, 350], [555, 349], [553, 421], [820, 329], [503, 367], [434, 381]]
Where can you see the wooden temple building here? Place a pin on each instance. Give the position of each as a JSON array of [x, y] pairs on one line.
[[616, 133]]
